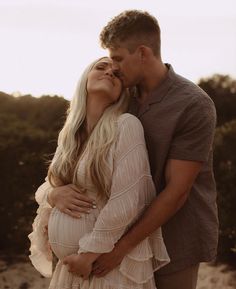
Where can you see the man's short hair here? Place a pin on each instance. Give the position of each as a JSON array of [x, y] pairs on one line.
[[130, 29]]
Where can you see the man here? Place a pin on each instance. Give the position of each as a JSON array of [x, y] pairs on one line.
[[179, 121]]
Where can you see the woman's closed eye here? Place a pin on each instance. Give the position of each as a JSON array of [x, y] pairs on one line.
[[100, 67]]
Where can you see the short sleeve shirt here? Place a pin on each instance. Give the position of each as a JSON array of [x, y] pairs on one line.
[[179, 120]]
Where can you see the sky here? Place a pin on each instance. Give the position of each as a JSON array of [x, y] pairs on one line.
[[46, 44]]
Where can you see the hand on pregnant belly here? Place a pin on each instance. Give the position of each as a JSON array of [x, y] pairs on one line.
[[78, 264]]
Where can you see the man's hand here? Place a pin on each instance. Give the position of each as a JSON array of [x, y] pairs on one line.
[[108, 261], [70, 201], [78, 265]]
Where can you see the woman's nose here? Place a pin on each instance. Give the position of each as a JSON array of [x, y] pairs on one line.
[[110, 72]]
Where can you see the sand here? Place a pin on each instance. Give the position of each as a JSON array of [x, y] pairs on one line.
[[22, 275]]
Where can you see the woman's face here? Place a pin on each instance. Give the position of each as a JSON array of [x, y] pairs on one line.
[[103, 82]]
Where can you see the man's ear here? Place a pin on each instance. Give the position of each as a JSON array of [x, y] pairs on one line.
[[143, 52]]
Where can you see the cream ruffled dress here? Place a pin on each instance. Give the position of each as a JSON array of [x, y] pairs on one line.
[[132, 191]]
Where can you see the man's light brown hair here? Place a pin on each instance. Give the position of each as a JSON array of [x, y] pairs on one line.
[[131, 29]]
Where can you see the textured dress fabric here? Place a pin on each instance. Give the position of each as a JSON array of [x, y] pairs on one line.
[[132, 190]]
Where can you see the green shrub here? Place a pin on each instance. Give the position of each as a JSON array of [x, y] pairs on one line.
[[225, 174]]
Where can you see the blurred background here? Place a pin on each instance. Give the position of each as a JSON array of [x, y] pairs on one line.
[[45, 45]]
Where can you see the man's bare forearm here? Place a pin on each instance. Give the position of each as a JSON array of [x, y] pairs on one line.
[[180, 176]]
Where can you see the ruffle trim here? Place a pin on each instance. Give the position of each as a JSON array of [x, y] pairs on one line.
[[138, 266], [101, 284], [40, 251], [62, 279], [42, 193]]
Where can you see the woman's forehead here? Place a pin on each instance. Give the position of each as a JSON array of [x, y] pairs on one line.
[[105, 60]]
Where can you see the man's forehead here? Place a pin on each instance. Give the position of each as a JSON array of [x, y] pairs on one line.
[[120, 52], [115, 51]]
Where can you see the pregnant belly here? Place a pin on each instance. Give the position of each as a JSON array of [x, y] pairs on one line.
[[64, 231]]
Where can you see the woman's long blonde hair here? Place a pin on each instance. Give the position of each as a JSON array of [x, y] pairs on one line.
[[64, 166]]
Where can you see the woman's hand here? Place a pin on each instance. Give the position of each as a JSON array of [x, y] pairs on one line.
[[70, 201], [80, 264]]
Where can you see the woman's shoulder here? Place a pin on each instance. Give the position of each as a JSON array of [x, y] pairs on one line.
[[130, 126], [129, 120]]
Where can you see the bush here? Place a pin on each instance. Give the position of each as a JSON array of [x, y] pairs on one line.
[[28, 137], [225, 173], [28, 133], [222, 90]]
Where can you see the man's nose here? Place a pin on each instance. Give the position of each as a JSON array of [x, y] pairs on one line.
[[110, 72], [115, 66]]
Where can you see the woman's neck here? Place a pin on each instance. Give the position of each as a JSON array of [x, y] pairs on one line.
[[95, 109]]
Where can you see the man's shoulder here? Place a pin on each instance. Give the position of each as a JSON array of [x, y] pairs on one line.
[[189, 93]]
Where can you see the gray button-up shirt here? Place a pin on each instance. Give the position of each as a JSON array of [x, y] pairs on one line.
[[179, 120]]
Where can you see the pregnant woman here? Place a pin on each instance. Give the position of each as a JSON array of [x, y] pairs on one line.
[[101, 151]]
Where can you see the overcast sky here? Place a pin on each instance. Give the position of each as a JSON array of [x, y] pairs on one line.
[[45, 45]]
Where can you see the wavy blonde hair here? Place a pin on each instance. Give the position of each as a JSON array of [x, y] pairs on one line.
[[64, 166]]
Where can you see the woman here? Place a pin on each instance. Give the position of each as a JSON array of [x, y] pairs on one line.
[[101, 150]]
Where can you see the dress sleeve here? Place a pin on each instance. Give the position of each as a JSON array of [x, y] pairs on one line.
[[132, 191], [40, 252]]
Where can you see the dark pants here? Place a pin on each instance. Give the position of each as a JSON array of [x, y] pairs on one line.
[[184, 279]]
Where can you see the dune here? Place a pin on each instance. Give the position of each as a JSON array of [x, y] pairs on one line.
[[22, 275]]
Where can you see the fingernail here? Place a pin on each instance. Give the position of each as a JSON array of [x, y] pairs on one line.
[[94, 202], [94, 206], [88, 211]]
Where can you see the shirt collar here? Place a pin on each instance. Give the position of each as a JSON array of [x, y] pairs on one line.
[[157, 95], [161, 90]]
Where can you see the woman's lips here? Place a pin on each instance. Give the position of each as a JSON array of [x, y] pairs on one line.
[[108, 78]]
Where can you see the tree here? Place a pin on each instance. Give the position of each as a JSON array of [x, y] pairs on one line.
[[222, 90], [28, 138], [225, 173]]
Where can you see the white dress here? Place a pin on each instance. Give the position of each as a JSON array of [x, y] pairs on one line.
[[132, 190]]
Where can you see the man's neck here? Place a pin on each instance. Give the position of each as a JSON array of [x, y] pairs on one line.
[[154, 75]]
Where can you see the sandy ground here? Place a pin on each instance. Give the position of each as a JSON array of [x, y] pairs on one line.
[[22, 275]]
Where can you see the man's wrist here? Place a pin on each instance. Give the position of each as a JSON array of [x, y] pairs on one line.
[[124, 246]]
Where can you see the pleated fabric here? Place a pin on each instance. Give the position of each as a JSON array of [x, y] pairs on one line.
[[132, 190], [40, 251]]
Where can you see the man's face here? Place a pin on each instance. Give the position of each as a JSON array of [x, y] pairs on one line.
[[126, 65]]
